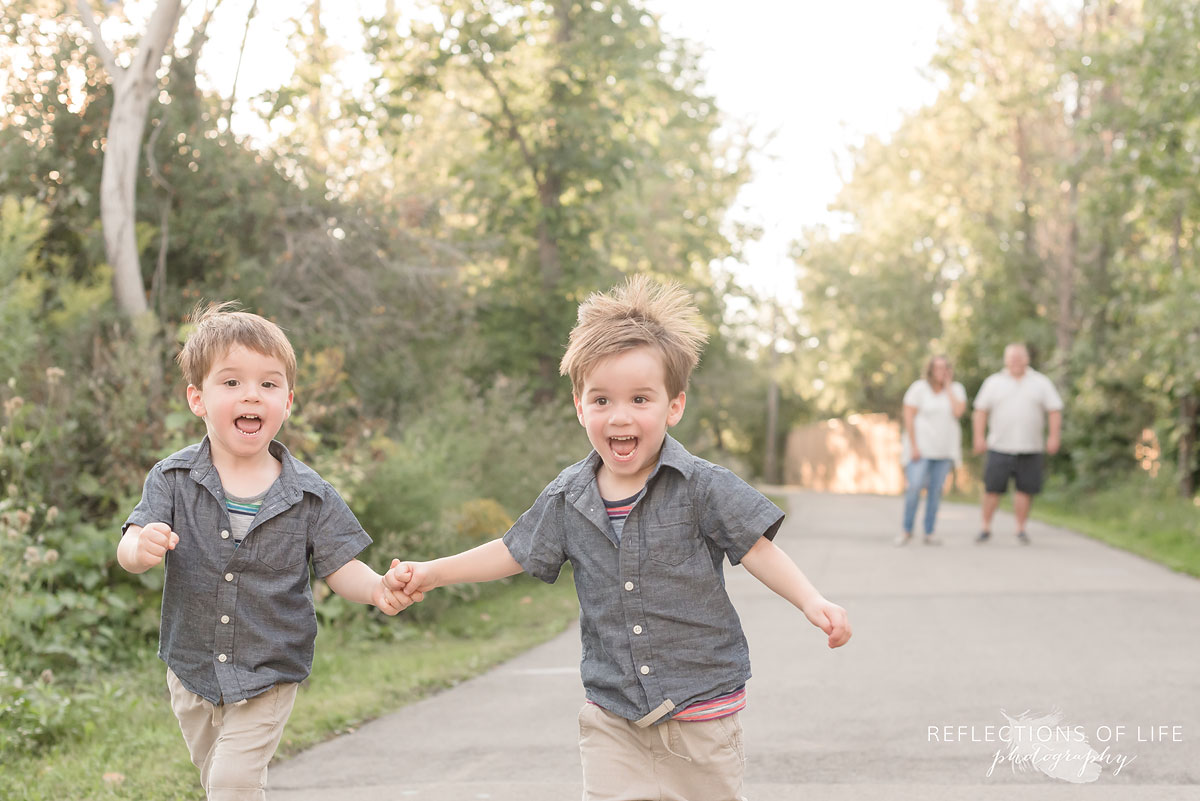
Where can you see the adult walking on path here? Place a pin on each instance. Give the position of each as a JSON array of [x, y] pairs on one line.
[[932, 442], [945, 639], [1014, 406]]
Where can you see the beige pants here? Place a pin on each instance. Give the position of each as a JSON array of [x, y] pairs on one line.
[[232, 744], [671, 761]]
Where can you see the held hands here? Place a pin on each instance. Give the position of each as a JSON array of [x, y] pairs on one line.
[[413, 579], [387, 601], [390, 595], [153, 542], [829, 618]]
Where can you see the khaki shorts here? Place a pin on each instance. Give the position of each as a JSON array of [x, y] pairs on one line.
[[232, 744], [671, 761]]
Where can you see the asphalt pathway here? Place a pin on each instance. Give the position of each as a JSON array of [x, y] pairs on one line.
[[947, 640]]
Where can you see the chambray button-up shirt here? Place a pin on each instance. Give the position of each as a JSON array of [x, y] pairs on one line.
[[655, 619], [236, 621]]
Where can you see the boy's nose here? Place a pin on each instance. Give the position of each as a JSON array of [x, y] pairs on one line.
[[620, 414]]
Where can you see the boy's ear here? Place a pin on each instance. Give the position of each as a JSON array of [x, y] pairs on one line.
[[675, 409], [195, 400], [578, 408], [287, 410]]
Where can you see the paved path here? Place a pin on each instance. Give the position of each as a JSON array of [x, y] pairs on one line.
[[944, 637]]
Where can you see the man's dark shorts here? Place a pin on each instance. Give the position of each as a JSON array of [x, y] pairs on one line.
[[1026, 468]]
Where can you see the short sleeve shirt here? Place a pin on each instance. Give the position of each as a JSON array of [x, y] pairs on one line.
[[238, 620], [656, 622], [935, 426], [1017, 410]]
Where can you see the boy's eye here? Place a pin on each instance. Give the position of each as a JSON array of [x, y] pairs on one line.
[[641, 399], [230, 382], [269, 384], [601, 401]]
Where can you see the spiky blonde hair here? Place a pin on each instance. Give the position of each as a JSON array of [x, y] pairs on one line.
[[636, 313], [217, 327]]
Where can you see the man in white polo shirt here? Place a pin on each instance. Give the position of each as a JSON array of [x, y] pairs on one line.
[[1013, 406]]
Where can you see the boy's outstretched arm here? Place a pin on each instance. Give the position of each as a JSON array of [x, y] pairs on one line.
[[487, 562], [356, 581], [774, 568]]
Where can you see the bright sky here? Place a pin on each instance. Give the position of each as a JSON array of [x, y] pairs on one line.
[[811, 77]]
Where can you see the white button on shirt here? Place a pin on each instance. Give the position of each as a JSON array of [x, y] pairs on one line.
[[222, 658], [629, 586], [637, 629], [224, 618], [224, 535], [645, 669], [229, 577]]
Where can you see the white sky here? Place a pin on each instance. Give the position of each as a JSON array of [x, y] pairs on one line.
[[811, 77]]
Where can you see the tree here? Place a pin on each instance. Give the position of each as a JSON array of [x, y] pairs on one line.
[[591, 152], [134, 88]]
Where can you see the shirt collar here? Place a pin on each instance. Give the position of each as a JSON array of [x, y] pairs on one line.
[[672, 455], [295, 478]]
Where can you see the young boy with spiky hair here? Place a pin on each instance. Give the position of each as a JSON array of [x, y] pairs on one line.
[[237, 520], [647, 527]]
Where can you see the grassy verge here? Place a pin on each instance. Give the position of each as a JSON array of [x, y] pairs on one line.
[[129, 746], [1142, 516]]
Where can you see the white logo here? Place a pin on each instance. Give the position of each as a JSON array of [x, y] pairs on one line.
[[1044, 743]]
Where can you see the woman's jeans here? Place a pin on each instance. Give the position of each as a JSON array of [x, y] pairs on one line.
[[930, 475]]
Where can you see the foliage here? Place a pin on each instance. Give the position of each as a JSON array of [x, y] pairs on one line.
[[1139, 514], [1047, 196], [584, 148]]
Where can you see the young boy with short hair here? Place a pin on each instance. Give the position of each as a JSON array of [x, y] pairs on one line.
[[237, 519], [646, 526]]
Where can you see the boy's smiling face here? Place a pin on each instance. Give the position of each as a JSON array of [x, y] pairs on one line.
[[244, 400], [626, 410]]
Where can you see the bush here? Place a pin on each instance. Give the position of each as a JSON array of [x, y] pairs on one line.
[[34, 714]]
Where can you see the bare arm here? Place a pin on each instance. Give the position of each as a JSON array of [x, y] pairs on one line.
[[979, 430], [1054, 439], [957, 405], [774, 568], [356, 581], [910, 418], [488, 562]]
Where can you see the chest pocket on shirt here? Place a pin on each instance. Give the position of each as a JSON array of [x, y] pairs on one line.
[[672, 537], [280, 544]]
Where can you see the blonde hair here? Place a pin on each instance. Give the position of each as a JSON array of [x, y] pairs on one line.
[[636, 313], [217, 327]]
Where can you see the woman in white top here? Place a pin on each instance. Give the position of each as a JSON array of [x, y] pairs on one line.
[[932, 441]]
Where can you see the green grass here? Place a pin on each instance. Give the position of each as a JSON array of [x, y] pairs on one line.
[[131, 736], [1143, 517]]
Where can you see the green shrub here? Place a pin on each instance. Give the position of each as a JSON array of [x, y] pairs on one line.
[[34, 713]]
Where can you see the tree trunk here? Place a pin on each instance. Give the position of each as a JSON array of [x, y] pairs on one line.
[[134, 88]]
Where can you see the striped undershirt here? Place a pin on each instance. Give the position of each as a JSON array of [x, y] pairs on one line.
[[618, 511], [720, 707], [241, 514]]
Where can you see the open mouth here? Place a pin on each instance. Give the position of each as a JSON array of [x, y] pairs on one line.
[[623, 448], [248, 424]]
